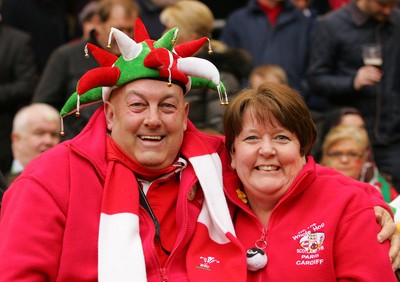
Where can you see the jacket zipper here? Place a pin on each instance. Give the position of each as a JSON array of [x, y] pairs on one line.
[[163, 270]]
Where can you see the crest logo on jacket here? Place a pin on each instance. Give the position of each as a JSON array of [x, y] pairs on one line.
[[207, 262], [311, 243]]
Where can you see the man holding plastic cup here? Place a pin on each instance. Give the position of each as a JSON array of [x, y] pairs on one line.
[[338, 71]]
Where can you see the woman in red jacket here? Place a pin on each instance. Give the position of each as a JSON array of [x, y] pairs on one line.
[[298, 220]]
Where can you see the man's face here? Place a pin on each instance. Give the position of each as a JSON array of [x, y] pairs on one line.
[[301, 4], [119, 20], [378, 9], [271, 3], [38, 135], [163, 3], [148, 119]]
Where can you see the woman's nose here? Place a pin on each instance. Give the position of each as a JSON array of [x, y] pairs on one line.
[[266, 147]]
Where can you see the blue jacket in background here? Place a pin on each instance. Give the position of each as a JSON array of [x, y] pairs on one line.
[[286, 44]]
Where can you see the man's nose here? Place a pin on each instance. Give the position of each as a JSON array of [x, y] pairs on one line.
[[152, 118]]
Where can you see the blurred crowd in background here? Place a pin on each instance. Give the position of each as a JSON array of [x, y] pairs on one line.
[[42, 56]]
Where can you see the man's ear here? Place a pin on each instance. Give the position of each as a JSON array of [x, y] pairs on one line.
[[15, 137], [109, 112], [186, 115], [95, 19]]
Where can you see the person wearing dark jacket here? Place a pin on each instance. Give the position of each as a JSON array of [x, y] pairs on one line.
[[46, 21], [273, 32], [195, 20], [18, 77], [337, 72], [68, 62]]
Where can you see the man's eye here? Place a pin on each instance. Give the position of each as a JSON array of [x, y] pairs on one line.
[[168, 108], [137, 105], [167, 105]]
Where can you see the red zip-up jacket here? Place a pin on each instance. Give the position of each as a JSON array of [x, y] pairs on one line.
[[322, 229], [50, 215]]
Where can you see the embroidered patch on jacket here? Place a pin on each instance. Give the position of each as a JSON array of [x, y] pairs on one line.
[[311, 243], [206, 263]]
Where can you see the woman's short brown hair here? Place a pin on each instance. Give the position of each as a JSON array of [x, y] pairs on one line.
[[271, 100]]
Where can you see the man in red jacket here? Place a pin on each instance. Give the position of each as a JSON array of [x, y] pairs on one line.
[[138, 194]]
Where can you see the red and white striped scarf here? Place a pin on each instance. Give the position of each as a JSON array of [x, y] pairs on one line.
[[214, 252]]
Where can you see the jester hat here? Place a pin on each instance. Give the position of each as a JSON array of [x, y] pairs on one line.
[[157, 59]]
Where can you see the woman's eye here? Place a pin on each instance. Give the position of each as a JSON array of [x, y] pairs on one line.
[[250, 138], [282, 138]]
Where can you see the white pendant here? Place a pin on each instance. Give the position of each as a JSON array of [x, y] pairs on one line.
[[256, 259]]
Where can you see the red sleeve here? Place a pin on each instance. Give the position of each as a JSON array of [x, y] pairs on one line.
[[374, 194], [376, 197], [38, 260], [358, 229]]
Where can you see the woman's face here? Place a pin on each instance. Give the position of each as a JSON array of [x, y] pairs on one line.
[[266, 158], [346, 157]]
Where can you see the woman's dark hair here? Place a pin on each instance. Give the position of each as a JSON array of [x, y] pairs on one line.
[[271, 100]]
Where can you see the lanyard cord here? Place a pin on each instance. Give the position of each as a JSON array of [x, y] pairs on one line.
[[145, 204]]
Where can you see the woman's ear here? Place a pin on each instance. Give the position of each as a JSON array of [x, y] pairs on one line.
[[233, 162]]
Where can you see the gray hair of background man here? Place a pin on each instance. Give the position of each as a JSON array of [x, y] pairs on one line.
[[24, 114]]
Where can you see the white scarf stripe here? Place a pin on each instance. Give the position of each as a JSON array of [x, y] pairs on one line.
[[120, 249], [208, 169]]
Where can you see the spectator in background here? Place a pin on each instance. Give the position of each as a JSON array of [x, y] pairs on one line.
[[3, 184], [337, 4], [344, 116], [18, 77], [264, 73], [45, 20], [337, 72], [322, 6], [68, 63], [349, 116], [273, 32], [346, 149], [36, 128], [276, 33], [306, 6], [150, 11], [88, 18], [195, 20]]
